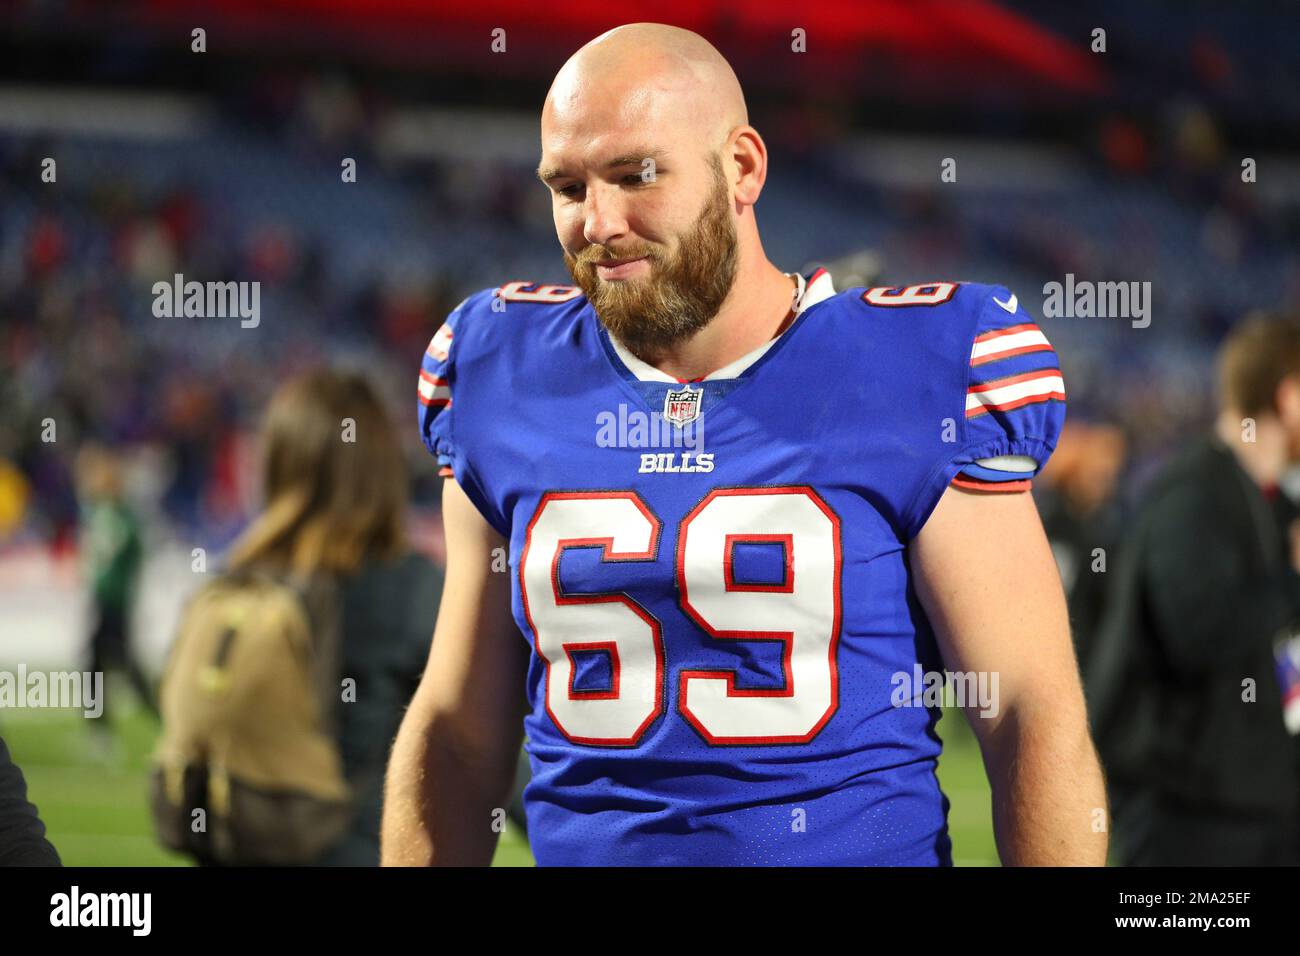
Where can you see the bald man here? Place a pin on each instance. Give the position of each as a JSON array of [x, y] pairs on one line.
[[725, 650]]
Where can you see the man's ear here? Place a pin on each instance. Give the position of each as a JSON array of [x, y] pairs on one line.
[[1287, 399], [748, 151]]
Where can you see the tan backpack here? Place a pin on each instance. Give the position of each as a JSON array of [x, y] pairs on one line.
[[249, 704]]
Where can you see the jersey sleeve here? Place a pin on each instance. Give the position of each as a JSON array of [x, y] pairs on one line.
[[453, 372], [1015, 399], [435, 394]]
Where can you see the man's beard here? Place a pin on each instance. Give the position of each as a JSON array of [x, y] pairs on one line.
[[680, 295]]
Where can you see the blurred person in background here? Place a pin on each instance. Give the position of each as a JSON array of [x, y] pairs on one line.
[[1184, 684], [1078, 507], [15, 492], [22, 834], [335, 488], [112, 554]]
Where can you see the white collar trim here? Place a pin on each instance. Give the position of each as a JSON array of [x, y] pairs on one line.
[[808, 294]]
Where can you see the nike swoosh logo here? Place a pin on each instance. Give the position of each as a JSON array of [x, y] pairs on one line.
[[1009, 306]]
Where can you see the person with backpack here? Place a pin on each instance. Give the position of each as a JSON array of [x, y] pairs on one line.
[[292, 669]]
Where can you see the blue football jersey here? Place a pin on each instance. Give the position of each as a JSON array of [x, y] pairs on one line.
[[713, 575]]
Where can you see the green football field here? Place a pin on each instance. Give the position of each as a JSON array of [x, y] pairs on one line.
[[93, 798]]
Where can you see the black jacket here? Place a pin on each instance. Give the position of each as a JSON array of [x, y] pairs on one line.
[[388, 613], [1203, 587], [22, 835], [1074, 537]]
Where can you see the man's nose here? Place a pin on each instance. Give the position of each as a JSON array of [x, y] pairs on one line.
[[604, 220]]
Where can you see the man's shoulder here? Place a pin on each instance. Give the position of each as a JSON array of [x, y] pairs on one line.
[[501, 335], [519, 309], [930, 317], [495, 342], [941, 336], [925, 299]]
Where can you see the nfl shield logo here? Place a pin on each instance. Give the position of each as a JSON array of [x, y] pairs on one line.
[[681, 407]]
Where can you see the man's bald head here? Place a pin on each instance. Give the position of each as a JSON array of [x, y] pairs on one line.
[[653, 167], [651, 77]]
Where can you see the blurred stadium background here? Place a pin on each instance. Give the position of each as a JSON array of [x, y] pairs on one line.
[[1123, 165]]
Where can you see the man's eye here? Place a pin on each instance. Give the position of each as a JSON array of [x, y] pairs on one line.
[[631, 179]]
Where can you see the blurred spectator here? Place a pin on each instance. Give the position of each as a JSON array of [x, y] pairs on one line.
[[22, 834], [1076, 498], [1183, 685], [335, 486], [112, 553], [14, 492]]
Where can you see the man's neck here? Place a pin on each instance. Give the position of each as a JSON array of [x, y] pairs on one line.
[[753, 313]]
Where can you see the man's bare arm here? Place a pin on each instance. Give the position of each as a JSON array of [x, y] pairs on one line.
[[455, 754], [986, 577]]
